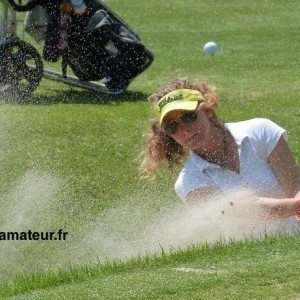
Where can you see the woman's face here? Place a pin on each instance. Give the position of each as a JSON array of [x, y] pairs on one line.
[[189, 128]]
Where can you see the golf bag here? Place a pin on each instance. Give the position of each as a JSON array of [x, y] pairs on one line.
[[92, 40]]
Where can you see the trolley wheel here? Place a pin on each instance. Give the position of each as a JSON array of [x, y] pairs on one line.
[[21, 69]]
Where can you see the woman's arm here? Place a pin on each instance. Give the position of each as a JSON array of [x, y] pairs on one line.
[[200, 195], [280, 208], [284, 166]]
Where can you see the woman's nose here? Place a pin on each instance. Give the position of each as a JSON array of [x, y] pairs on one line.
[[184, 128]]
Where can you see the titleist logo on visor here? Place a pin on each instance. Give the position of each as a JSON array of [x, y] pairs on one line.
[[168, 100]]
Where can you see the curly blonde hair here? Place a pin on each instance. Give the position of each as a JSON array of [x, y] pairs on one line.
[[160, 147]]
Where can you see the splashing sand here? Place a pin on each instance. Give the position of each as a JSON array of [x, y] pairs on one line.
[[232, 216], [25, 208], [122, 232]]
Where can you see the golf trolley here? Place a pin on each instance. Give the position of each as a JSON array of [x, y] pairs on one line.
[[103, 52]]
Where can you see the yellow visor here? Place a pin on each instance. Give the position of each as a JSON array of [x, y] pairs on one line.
[[185, 99]]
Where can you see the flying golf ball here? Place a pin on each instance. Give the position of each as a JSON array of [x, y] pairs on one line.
[[210, 48]]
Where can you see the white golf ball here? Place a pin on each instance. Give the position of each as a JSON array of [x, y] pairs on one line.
[[210, 48]]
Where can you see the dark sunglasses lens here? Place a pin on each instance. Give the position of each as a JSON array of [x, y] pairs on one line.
[[189, 117], [171, 128]]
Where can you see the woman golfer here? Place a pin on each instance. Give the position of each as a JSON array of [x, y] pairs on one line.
[[252, 153]]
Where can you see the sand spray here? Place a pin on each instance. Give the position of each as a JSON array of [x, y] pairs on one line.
[[120, 232]]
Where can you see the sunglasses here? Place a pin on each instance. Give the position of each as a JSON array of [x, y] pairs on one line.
[[186, 117]]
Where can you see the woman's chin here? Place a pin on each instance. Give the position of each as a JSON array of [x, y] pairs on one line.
[[194, 142]]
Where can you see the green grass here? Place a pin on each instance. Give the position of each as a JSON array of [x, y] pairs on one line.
[[249, 269], [69, 159]]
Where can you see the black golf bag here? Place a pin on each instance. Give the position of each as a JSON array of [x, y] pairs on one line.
[[92, 40]]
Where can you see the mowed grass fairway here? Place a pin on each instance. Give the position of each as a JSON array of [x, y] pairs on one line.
[[69, 159]]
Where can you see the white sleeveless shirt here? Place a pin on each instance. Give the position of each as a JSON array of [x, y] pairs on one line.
[[255, 139]]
